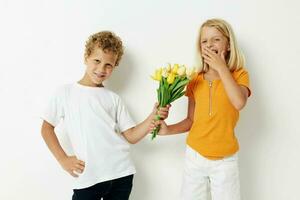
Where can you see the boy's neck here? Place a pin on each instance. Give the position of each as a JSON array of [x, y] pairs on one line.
[[85, 81]]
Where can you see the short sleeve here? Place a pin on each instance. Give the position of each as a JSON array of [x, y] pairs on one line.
[[190, 87], [242, 78], [124, 119], [54, 111]]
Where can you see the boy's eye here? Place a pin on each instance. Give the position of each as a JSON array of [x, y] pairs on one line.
[[204, 41], [97, 61], [109, 67]]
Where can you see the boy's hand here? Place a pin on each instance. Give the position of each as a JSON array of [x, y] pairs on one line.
[[72, 165], [163, 127], [162, 112]]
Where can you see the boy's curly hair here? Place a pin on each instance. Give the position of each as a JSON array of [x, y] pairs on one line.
[[107, 41]]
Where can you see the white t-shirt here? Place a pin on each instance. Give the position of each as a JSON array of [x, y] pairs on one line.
[[94, 118]]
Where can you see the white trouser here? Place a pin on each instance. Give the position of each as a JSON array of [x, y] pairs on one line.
[[210, 179]]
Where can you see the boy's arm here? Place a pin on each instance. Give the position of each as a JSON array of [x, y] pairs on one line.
[[135, 134], [69, 163], [51, 140]]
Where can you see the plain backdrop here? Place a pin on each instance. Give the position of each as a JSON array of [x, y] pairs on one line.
[[41, 47]]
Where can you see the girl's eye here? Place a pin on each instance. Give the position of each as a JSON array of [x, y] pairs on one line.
[[217, 39], [97, 61], [203, 42]]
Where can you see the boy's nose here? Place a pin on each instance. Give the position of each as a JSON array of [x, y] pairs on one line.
[[101, 68]]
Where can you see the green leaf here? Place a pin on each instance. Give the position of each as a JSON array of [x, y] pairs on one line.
[[177, 79], [178, 91], [177, 96], [180, 84], [158, 94], [166, 96], [162, 90]]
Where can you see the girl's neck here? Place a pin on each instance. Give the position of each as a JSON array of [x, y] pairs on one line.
[[211, 75]]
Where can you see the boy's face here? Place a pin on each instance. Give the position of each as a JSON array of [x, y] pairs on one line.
[[213, 39], [100, 65]]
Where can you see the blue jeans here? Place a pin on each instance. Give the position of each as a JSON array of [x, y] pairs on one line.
[[117, 189]]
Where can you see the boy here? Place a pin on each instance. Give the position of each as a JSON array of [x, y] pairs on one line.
[[98, 124]]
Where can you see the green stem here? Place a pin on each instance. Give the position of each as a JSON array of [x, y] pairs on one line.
[[156, 130]]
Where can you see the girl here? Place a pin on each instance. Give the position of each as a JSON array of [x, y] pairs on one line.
[[215, 97]]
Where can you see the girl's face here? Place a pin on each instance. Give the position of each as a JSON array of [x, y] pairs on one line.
[[214, 40]]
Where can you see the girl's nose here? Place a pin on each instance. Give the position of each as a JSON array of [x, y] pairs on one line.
[[209, 44]]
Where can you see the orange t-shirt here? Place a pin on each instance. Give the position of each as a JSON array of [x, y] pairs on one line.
[[212, 133]]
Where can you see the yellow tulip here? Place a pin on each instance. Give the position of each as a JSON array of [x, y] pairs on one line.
[[181, 70], [175, 68], [157, 75], [171, 78], [165, 73], [190, 73], [169, 68]]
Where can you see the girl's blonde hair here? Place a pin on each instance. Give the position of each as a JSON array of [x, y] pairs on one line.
[[235, 60]]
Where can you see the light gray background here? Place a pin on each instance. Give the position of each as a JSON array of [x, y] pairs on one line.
[[41, 47]]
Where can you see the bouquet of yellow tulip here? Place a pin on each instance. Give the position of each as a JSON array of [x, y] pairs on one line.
[[172, 81]]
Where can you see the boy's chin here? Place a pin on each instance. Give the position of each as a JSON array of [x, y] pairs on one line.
[[98, 82]]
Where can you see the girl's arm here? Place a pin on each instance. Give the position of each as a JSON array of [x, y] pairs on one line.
[[237, 94], [180, 127]]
